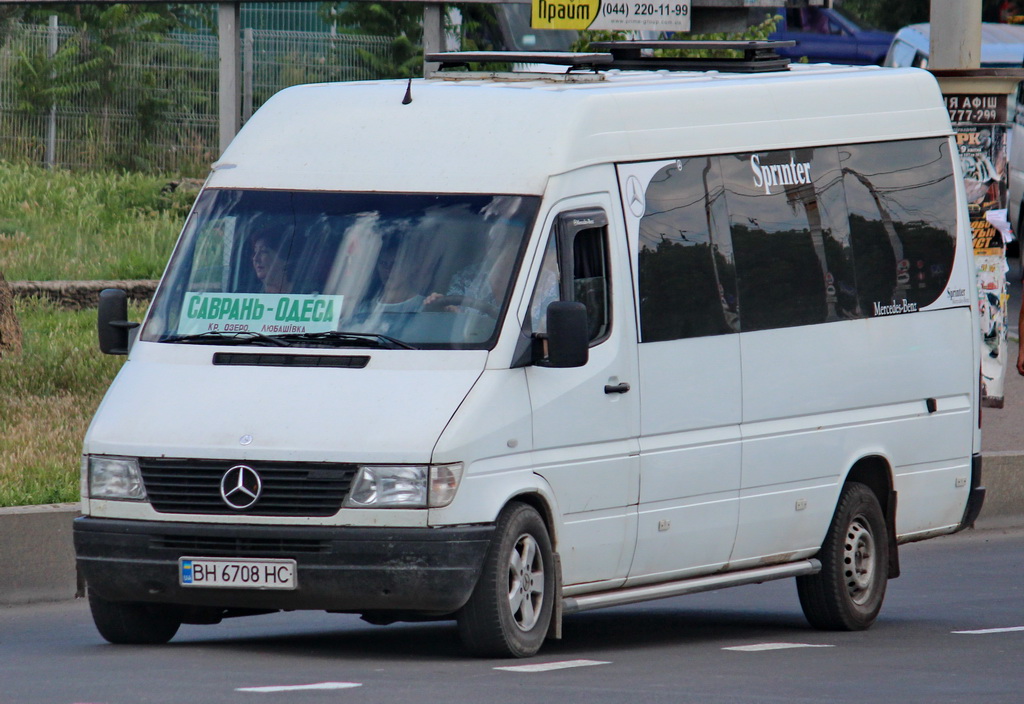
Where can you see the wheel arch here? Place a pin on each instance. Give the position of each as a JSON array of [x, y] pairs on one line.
[[875, 472], [540, 503]]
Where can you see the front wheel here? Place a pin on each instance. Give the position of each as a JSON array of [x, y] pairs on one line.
[[847, 594], [135, 624], [510, 610]]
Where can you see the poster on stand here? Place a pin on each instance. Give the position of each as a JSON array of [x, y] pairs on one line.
[[982, 147]]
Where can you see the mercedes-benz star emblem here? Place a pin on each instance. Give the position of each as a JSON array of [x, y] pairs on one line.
[[241, 486], [635, 196]]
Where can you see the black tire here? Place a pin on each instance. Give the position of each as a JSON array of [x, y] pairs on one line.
[[847, 594], [134, 624], [510, 610]]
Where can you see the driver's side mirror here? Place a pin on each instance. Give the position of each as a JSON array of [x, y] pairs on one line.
[[568, 335], [112, 322]]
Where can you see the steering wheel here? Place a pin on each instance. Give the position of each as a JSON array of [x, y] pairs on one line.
[[443, 302]]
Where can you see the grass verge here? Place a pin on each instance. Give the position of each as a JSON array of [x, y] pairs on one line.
[[47, 397], [59, 225]]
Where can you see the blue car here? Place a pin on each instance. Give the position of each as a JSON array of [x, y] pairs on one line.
[[829, 36]]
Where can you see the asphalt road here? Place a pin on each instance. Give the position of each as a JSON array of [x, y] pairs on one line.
[[748, 644]]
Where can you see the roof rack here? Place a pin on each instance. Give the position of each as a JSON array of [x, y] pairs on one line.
[[758, 56], [570, 59]]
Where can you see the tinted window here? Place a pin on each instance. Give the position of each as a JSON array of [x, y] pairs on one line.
[[430, 270], [580, 273], [788, 228], [590, 279], [902, 207], [687, 283]]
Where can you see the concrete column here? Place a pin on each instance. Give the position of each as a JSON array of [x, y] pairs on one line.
[[433, 34], [955, 34], [51, 123], [229, 49]]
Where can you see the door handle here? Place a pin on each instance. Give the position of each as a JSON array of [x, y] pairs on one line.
[[616, 388]]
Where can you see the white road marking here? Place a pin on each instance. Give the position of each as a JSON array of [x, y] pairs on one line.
[[301, 687], [548, 666], [774, 646], [986, 631]]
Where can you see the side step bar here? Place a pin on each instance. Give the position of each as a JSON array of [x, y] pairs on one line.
[[572, 605]]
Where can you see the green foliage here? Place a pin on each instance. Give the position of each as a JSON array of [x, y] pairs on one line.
[[60, 355], [42, 81], [110, 70], [102, 225], [48, 393], [403, 21], [757, 32]]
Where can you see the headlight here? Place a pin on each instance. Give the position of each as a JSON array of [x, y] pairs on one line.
[[115, 478], [404, 486]]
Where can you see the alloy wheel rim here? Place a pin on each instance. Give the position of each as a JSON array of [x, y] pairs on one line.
[[525, 582]]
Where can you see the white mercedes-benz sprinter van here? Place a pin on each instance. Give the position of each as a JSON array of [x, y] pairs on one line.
[[499, 348]]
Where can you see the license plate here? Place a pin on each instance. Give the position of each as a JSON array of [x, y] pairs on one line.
[[236, 574]]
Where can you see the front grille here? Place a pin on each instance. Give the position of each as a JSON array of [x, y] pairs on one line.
[[214, 545], [289, 488]]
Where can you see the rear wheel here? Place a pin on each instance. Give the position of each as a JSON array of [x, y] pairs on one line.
[[135, 624], [510, 610], [847, 594]]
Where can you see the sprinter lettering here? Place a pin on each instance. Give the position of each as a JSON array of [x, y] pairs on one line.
[[791, 174]]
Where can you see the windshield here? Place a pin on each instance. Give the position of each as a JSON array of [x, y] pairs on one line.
[[342, 269]]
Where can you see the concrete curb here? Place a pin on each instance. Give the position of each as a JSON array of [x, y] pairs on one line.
[[39, 558], [37, 554], [78, 295]]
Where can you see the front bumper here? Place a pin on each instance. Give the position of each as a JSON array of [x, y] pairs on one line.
[[419, 570]]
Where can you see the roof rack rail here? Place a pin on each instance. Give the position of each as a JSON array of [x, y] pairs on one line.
[[758, 56], [570, 59]]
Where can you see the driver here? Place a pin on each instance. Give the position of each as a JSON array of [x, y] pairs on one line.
[[481, 287]]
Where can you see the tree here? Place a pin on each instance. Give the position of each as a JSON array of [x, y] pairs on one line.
[[402, 21]]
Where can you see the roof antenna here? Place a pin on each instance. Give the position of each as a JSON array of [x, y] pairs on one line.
[[408, 93]]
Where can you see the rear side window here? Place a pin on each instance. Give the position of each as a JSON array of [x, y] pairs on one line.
[[776, 239], [902, 221], [789, 228], [686, 289]]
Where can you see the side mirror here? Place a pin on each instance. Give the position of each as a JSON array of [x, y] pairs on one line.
[[112, 323], [568, 334]]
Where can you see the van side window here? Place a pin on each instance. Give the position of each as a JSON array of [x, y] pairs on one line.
[[686, 272], [575, 268], [902, 220], [545, 291], [590, 279], [789, 226]]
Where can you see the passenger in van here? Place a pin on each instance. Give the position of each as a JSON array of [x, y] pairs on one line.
[[476, 286], [399, 291], [270, 266]]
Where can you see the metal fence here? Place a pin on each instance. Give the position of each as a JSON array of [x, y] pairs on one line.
[[154, 106]]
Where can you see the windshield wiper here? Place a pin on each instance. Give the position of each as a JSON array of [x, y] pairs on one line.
[[338, 338], [217, 337]]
